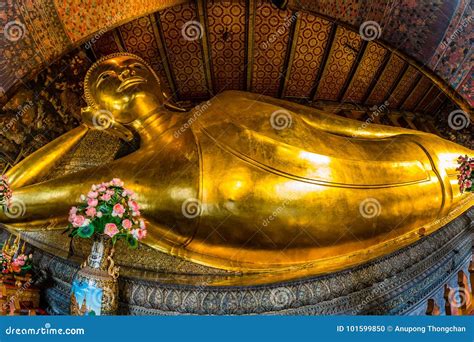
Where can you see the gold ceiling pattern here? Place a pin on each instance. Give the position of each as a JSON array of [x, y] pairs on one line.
[[313, 35], [416, 95], [388, 79], [40, 32], [341, 59], [227, 43], [185, 53], [202, 48], [403, 88], [366, 73], [270, 44]]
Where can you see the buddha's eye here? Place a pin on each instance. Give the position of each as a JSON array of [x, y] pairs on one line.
[[137, 66], [105, 75]]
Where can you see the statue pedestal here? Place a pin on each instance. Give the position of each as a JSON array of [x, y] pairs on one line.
[[399, 283]]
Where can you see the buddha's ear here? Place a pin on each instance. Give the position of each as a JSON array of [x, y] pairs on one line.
[[104, 120], [169, 104]]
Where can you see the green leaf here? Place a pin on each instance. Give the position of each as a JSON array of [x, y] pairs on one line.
[[86, 231], [27, 267], [132, 242]]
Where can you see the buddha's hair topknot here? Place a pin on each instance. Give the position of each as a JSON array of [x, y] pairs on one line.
[[87, 93]]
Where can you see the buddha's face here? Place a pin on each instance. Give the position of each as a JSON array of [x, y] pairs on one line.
[[126, 87]]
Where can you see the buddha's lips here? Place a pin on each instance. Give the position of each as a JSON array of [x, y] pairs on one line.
[[130, 82]]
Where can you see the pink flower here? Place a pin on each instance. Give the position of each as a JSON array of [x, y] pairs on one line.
[[16, 267], [142, 224], [141, 234], [92, 202], [73, 211], [91, 211], [105, 197], [102, 189], [135, 207], [99, 214], [138, 233], [111, 229], [92, 194], [117, 182], [72, 214], [19, 261], [118, 210], [127, 224], [78, 221]]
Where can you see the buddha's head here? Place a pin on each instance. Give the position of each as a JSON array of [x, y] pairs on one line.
[[120, 89]]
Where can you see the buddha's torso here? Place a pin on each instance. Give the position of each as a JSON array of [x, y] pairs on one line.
[[273, 196], [225, 187]]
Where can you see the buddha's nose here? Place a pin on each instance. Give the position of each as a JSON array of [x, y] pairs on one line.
[[125, 74]]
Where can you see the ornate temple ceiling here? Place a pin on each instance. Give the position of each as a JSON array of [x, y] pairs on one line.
[[280, 53], [437, 33]]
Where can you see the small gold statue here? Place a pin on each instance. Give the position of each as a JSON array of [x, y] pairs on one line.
[[250, 183], [10, 248]]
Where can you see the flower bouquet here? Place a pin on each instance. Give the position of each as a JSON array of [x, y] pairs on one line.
[[18, 265], [108, 213], [108, 209], [5, 192], [466, 176]]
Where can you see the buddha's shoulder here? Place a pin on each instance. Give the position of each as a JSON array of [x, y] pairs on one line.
[[243, 125], [235, 117]]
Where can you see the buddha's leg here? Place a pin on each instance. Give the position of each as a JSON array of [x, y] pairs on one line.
[[34, 167]]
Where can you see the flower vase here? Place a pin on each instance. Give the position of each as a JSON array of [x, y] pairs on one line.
[[95, 286]]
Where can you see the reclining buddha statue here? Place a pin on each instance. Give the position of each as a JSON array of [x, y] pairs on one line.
[[250, 183]]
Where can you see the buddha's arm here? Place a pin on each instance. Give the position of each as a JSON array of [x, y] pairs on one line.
[[317, 118], [51, 200], [339, 125], [34, 167]]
